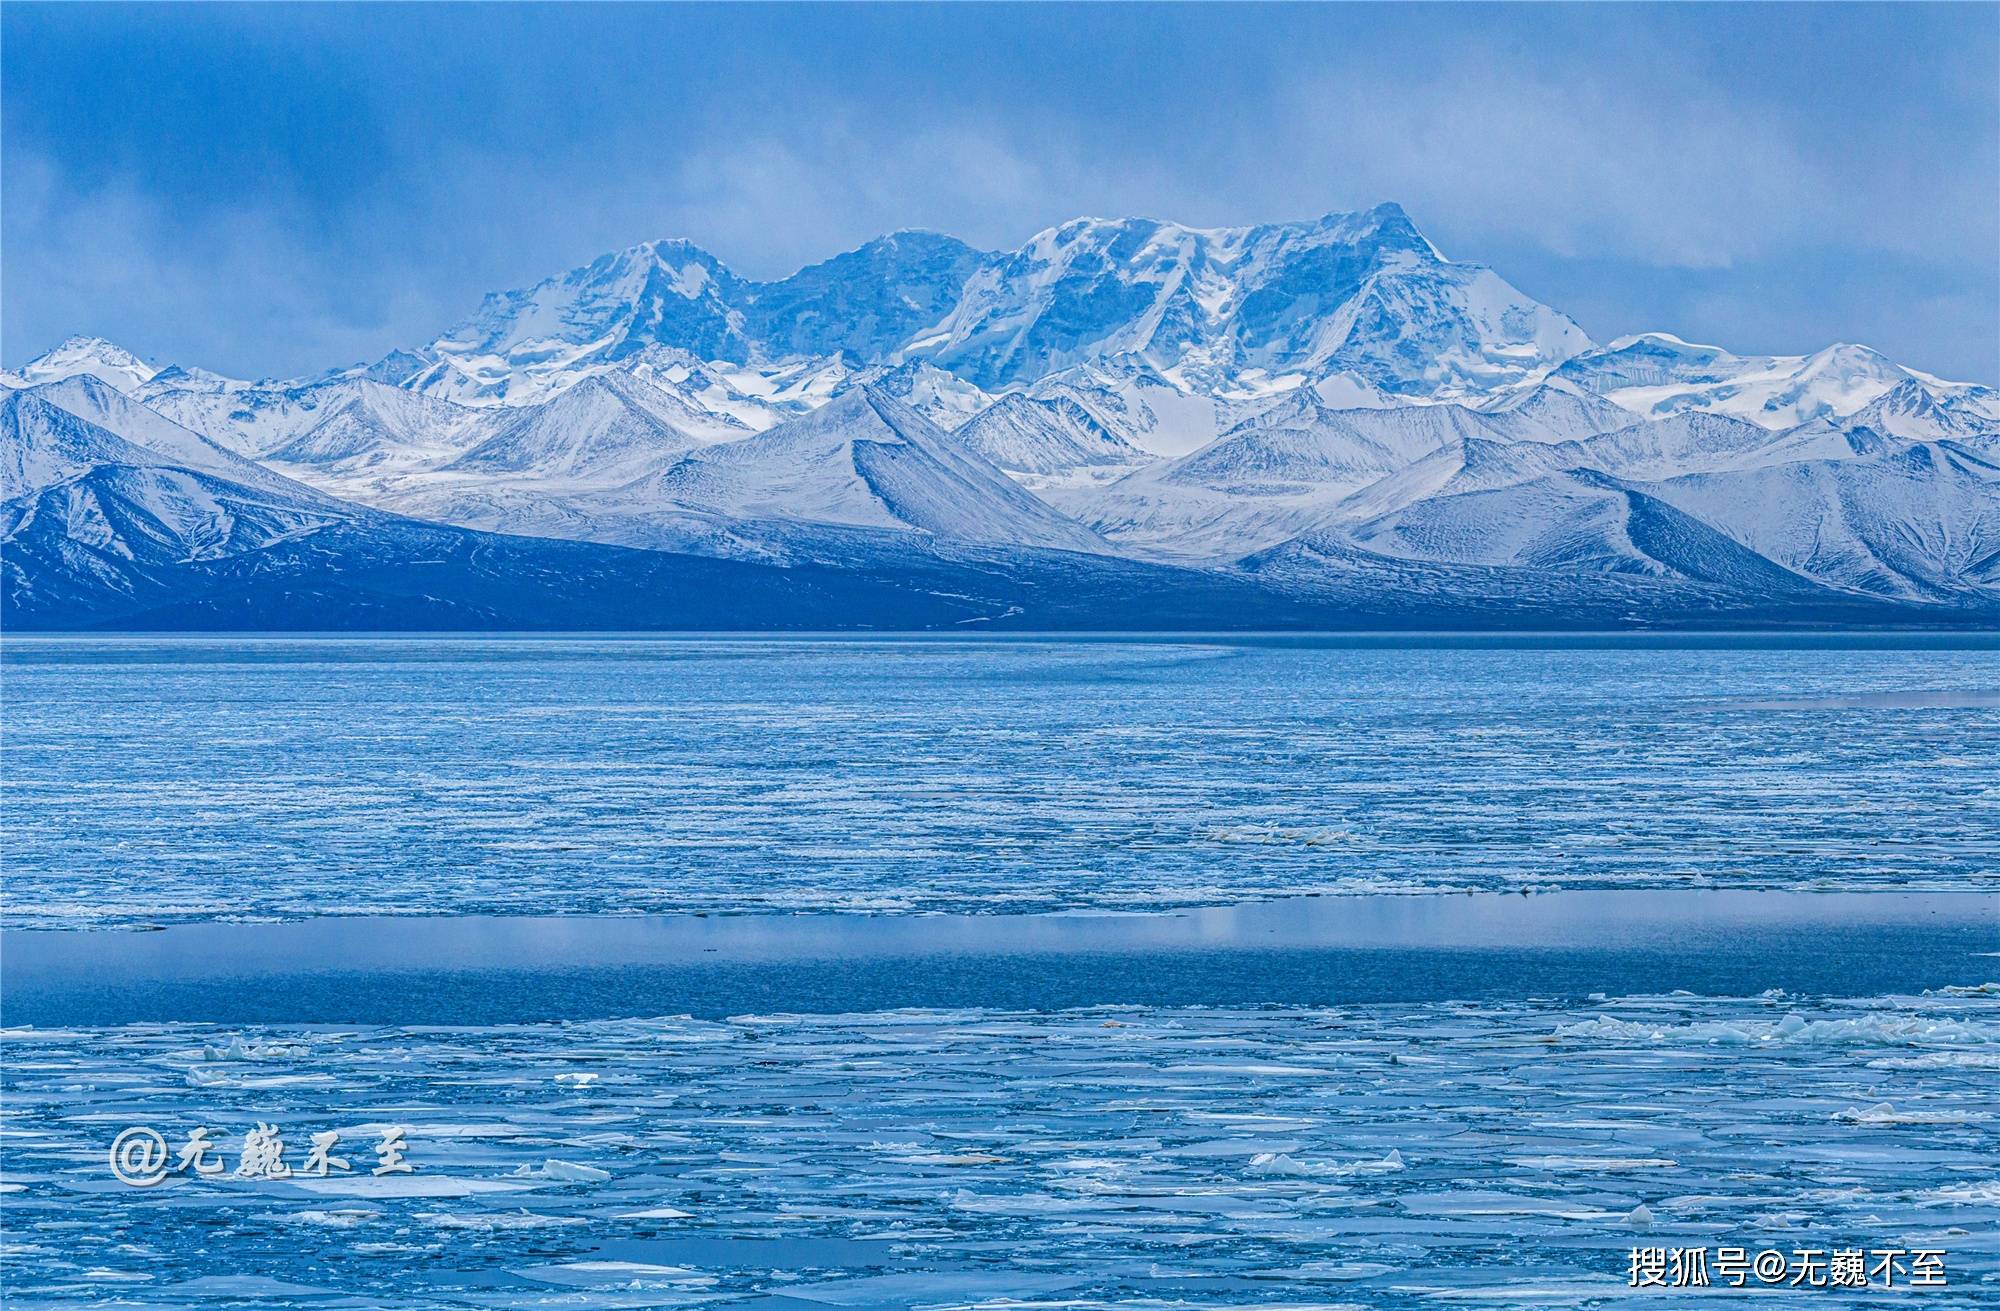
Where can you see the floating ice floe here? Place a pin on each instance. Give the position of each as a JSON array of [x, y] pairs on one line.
[[1884, 1113], [333, 1218], [499, 1221], [567, 1172]]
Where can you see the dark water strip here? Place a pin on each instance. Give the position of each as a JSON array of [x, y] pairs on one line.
[[1308, 951]]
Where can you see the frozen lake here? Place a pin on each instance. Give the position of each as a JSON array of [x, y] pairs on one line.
[[1498, 1153], [579, 918], [156, 781]]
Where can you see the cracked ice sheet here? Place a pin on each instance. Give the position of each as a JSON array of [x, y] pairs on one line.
[[1373, 1156], [285, 778]]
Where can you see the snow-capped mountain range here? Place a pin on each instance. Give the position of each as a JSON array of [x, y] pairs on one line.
[[1313, 406]]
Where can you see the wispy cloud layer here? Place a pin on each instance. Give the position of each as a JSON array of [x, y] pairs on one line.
[[277, 190]]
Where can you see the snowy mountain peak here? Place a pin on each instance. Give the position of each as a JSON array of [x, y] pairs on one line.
[[193, 379], [944, 398], [1658, 374], [103, 360], [608, 429], [1848, 354], [1361, 292], [1908, 397], [1914, 412], [1387, 226], [869, 414], [397, 367], [1663, 340]]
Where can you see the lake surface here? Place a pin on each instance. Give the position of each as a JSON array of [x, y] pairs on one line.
[[475, 970], [160, 780], [1200, 973], [1506, 1153]]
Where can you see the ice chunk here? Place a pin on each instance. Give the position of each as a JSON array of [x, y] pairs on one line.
[[1884, 1113], [567, 1172]]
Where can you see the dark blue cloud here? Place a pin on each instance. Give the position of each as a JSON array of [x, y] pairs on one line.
[[270, 189]]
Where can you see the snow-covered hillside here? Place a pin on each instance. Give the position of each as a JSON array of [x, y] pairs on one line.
[[58, 429], [1314, 401], [1059, 434], [611, 427], [864, 460]]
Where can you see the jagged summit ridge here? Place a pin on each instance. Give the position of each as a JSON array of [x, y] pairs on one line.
[[1365, 292]]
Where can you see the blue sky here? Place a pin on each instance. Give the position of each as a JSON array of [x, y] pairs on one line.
[[270, 190]]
